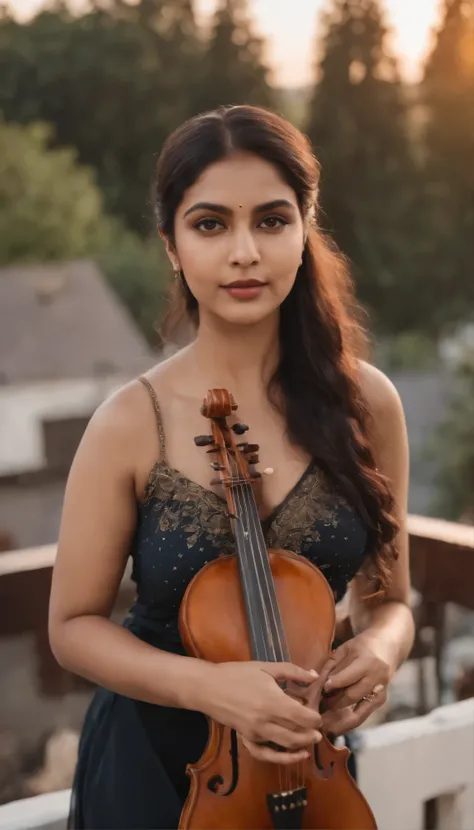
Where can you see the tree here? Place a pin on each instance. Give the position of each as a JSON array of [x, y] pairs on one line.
[[233, 68], [112, 82], [51, 210], [448, 95], [358, 125]]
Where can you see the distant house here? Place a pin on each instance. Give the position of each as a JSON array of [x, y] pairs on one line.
[[66, 343]]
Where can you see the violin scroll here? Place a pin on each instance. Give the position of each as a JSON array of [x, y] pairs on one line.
[[218, 403]]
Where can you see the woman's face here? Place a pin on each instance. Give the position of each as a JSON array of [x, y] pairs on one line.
[[239, 239]]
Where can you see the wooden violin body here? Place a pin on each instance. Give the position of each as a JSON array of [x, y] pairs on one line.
[[229, 788]]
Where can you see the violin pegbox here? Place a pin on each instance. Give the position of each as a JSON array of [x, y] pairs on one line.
[[234, 458]]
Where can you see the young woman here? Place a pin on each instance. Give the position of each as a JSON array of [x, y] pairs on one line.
[[275, 324]]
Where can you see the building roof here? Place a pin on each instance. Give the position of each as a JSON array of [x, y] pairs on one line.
[[62, 321]]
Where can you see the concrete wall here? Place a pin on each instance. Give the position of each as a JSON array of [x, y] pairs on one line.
[[404, 765], [23, 407]]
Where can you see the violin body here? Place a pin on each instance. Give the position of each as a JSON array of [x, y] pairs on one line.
[[221, 622], [307, 606]]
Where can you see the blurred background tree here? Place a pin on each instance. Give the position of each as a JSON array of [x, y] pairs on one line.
[[110, 82], [51, 209], [448, 98], [234, 71], [370, 193]]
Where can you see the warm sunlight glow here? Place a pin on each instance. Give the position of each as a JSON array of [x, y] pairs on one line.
[[291, 27]]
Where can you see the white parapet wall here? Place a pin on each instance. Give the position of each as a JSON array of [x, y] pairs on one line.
[[401, 766], [43, 812], [405, 764]]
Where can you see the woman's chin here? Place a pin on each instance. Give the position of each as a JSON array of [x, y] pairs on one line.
[[246, 314]]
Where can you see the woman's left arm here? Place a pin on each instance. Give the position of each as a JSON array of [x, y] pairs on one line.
[[360, 670]]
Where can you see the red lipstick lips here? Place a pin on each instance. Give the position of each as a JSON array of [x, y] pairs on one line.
[[245, 289]]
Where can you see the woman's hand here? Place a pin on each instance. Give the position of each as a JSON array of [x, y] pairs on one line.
[[248, 698], [359, 672]]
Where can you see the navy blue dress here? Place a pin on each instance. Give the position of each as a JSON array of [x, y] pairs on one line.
[[131, 769]]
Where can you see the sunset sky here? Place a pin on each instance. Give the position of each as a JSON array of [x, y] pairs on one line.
[[290, 27]]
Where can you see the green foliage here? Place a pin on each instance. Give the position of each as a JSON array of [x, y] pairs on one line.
[[116, 81], [111, 82], [138, 271], [370, 185], [233, 70], [410, 350], [453, 447], [50, 208]]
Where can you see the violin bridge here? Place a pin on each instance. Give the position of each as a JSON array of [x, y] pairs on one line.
[[287, 808]]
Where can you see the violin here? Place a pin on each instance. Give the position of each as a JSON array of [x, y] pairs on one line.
[[265, 605]]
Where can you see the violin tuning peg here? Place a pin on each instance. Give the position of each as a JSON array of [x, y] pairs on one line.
[[268, 471], [215, 481], [256, 475], [253, 459], [239, 429], [203, 440], [216, 466], [252, 448]]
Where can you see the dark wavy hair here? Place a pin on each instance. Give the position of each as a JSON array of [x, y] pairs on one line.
[[321, 335]]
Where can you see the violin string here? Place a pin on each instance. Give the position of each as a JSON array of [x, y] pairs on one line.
[[286, 784], [283, 644], [246, 572], [254, 528], [240, 513], [265, 594], [268, 576], [240, 530], [252, 513]]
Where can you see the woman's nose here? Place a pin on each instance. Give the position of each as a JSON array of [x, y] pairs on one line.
[[244, 251]]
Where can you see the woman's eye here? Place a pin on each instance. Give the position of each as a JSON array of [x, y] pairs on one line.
[[208, 225], [273, 222]]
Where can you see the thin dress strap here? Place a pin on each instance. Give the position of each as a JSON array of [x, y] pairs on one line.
[[159, 420]]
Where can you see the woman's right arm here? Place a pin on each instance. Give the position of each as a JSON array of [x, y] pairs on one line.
[[97, 527]]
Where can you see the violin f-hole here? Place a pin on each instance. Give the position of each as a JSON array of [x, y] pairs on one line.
[[324, 773], [215, 783]]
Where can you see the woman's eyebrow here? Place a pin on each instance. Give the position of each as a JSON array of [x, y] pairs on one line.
[[215, 208]]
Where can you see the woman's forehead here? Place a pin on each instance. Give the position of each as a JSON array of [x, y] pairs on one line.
[[239, 179]]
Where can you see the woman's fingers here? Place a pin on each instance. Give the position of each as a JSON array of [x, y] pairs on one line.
[[289, 739], [339, 720], [346, 675], [265, 753], [299, 716], [349, 696]]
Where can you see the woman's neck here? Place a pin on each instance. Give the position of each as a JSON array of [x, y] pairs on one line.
[[236, 356]]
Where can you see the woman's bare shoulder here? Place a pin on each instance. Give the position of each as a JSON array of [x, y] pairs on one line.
[[380, 393], [121, 413], [123, 428]]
